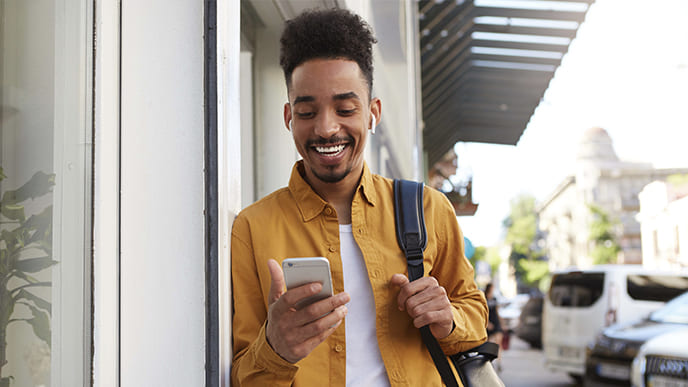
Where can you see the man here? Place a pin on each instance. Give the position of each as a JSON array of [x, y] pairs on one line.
[[367, 333]]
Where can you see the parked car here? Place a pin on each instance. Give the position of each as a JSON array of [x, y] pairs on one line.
[[662, 361], [580, 303], [511, 311], [529, 328], [609, 358]]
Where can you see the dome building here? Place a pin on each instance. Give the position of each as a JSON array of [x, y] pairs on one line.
[[602, 180]]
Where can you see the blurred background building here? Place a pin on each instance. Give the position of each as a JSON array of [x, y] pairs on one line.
[[602, 186], [663, 221]]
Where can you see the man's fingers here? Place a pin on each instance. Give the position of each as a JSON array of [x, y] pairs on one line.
[[432, 298], [320, 308], [277, 283], [401, 281], [302, 350], [412, 289], [321, 326], [294, 295]]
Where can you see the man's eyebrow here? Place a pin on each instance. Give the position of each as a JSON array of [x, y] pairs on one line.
[[349, 95], [305, 98]]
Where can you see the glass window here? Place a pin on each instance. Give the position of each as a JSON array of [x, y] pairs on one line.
[[656, 287], [44, 193], [576, 289], [674, 312]]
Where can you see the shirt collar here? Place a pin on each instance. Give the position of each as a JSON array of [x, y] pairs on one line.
[[310, 204]]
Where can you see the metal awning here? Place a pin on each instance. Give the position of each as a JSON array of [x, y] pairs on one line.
[[485, 65]]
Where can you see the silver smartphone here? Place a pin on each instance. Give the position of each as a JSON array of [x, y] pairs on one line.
[[301, 271]]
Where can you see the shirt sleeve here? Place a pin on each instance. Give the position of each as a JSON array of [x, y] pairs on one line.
[[455, 273], [255, 363]]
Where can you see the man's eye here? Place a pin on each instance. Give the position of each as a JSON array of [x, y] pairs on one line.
[[305, 115], [346, 112]]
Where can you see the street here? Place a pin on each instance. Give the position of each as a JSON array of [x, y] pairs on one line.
[[523, 366]]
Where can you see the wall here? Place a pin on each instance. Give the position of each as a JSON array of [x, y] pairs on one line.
[[162, 194]]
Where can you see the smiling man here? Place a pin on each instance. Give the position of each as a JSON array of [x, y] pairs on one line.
[[366, 334]]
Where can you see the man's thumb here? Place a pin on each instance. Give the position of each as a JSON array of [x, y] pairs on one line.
[[277, 283], [399, 280]]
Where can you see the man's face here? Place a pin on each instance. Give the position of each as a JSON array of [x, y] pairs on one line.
[[330, 112]]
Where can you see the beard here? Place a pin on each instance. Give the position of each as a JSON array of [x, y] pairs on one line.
[[332, 176]]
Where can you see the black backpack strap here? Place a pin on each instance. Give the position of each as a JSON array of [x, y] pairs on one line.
[[412, 238], [411, 234]]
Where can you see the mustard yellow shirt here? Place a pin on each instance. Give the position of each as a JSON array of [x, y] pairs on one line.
[[296, 222]]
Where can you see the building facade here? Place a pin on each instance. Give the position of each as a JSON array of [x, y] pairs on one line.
[[663, 221], [603, 180]]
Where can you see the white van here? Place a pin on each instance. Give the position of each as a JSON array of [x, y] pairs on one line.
[[582, 302]]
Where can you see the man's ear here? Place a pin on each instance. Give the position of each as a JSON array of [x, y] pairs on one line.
[[376, 109], [287, 116]]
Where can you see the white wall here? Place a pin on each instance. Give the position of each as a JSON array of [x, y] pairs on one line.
[[162, 194]]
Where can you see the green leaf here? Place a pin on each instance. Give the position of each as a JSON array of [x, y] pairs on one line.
[[26, 277], [32, 285], [12, 211], [41, 224], [39, 302], [40, 323], [39, 185], [12, 239], [34, 265]]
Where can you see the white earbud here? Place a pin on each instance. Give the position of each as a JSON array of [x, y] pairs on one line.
[[372, 127], [290, 127]]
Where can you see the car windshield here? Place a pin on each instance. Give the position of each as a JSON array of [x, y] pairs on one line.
[[675, 311]]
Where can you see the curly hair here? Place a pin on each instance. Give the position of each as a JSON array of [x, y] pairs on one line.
[[327, 34]]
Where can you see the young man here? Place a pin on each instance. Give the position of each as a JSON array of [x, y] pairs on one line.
[[367, 333]]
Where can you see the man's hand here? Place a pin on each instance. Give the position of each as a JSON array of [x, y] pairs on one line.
[[292, 333], [426, 302]]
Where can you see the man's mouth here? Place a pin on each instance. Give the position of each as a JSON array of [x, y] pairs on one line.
[[331, 150]]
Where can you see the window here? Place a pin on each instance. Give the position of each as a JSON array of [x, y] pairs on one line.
[[576, 289], [45, 200], [655, 287]]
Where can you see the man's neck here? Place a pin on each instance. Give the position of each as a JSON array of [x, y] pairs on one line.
[[339, 195]]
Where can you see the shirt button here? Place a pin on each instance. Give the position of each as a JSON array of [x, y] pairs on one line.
[[338, 348], [332, 249], [328, 211], [360, 231], [377, 273]]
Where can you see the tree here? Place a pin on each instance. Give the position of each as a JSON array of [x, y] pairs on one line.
[[527, 256], [603, 237]]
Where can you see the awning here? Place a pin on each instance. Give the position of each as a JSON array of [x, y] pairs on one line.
[[485, 65]]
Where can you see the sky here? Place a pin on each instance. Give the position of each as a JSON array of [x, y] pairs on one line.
[[627, 72]]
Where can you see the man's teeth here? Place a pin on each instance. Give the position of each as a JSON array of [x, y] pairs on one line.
[[330, 149]]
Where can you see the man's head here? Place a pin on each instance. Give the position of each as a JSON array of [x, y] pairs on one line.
[[327, 61], [327, 34]]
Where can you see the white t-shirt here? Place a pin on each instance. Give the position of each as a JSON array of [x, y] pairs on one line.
[[364, 366]]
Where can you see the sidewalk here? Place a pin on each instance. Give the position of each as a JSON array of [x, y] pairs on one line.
[[523, 366]]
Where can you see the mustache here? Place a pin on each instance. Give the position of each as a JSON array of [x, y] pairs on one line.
[[329, 141]]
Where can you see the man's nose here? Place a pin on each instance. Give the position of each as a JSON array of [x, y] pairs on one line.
[[326, 125]]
